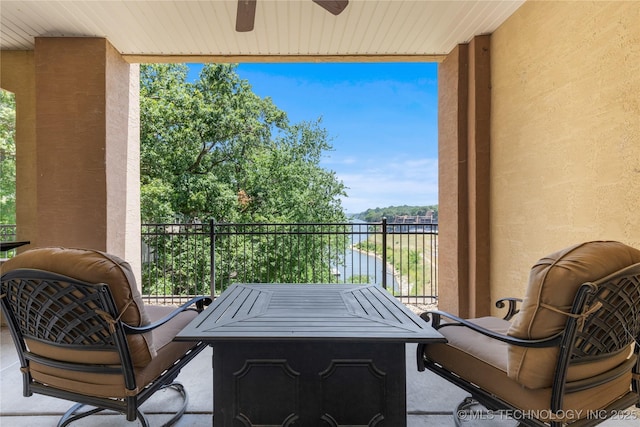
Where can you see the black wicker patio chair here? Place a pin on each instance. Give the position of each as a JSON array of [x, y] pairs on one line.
[[83, 333], [567, 356]]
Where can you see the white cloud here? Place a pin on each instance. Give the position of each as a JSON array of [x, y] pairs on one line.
[[410, 182]]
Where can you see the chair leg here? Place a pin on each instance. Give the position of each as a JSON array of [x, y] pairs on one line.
[[185, 401], [143, 418], [71, 415], [464, 407], [465, 412]]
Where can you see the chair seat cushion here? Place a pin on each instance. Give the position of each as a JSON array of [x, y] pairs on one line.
[[483, 361], [490, 351], [168, 350], [112, 385]]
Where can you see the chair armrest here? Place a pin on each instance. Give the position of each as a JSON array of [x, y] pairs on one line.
[[512, 310], [436, 317], [200, 303]]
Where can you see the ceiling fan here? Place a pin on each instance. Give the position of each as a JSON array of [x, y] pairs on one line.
[[246, 13]]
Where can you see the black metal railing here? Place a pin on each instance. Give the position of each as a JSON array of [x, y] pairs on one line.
[[187, 259], [8, 233], [176, 261]]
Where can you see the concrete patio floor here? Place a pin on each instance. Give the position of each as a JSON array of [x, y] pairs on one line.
[[430, 400]]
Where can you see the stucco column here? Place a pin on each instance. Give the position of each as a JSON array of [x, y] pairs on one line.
[[464, 146], [87, 153]]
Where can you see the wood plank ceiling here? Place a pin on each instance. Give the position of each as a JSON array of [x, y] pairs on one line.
[[205, 30]]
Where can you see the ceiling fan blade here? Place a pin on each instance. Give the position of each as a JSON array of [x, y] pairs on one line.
[[246, 15], [333, 6]]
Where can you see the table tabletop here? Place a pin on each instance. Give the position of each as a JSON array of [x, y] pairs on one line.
[[308, 312], [7, 246]]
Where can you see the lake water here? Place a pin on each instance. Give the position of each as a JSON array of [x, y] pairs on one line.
[[360, 264]]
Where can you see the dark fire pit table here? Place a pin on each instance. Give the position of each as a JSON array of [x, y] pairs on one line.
[[308, 355]]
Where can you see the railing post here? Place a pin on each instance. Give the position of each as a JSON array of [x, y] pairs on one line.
[[384, 252], [212, 256]]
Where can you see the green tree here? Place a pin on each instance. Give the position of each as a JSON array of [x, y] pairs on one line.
[[214, 149], [7, 158], [196, 140], [286, 182]]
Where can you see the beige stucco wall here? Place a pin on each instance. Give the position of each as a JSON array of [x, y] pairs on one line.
[[565, 132], [122, 156], [77, 145], [133, 249]]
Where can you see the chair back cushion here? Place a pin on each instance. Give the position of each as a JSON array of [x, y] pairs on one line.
[[97, 267], [554, 281]]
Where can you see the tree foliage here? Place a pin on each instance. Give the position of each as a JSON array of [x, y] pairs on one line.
[[213, 149], [7, 158]]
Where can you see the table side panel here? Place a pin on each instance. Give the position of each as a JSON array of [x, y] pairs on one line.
[[309, 383]]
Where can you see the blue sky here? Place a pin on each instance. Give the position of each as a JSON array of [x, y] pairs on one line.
[[381, 119]]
